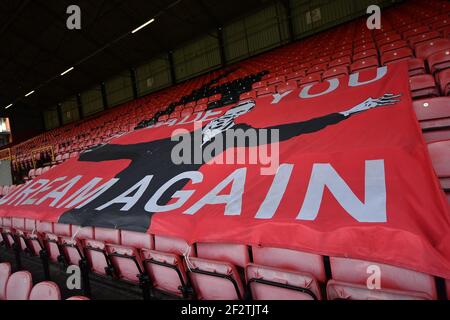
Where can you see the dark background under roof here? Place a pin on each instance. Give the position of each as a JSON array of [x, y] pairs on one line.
[[36, 45]]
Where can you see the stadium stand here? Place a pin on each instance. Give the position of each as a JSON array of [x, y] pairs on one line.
[[416, 32]]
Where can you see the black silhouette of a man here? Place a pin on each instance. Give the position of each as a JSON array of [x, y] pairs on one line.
[[154, 158]]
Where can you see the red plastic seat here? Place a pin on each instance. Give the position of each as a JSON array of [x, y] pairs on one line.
[[125, 257], [310, 79], [19, 286], [415, 32], [344, 61], [439, 60], [440, 155], [396, 55], [417, 40], [165, 266], [45, 290], [416, 66], [423, 86], [215, 280], [366, 54], [291, 260], [444, 81], [258, 85], [5, 273], [317, 68], [337, 290], [296, 75], [336, 72], [266, 91], [356, 272], [78, 298], [364, 64], [72, 245], [95, 250], [426, 49], [268, 283], [50, 239], [276, 80], [393, 46], [287, 86], [187, 112], [7, 232], [200, 107], [433, 113], [388, 39]]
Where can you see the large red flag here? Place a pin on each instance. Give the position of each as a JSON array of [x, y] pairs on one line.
[[337, 168]]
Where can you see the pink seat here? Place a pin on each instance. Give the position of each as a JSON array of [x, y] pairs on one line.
[[19, 286], [50, 239], [72, 245], [165, 266], [95, 249], [5, 273], [236, 254], [215, 280], [268, 283], [394, 278], [291, 260], [337, 290], [125, 257], [78, 298], [45, 290]]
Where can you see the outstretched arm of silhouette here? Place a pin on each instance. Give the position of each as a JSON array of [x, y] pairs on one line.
[[106, 152], [290, 130]]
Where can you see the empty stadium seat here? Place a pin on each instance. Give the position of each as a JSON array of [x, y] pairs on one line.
[[45, 290], [337, 290], [396, 55], [364, 64], [353, 271], [416, 66], [439, 60], [72, 245], [440, 153], [19, 286], [125, 257], [268, 283], [339, 71], [5, 273], [423, 86], [96, 253], [444, 82], [433, 113], [165, 266], [78, 298], [426, 49], [215, 280], [222, 265]]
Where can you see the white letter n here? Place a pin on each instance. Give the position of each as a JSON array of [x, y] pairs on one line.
[[374, 208]]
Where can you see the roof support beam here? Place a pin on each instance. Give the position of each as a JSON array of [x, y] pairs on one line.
[[287, 6], [173, 76]]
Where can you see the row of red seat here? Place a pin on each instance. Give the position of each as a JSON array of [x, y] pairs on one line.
[[19, 286], [214, 270]]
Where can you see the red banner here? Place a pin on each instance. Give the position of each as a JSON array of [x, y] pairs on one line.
[[337, 168]]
